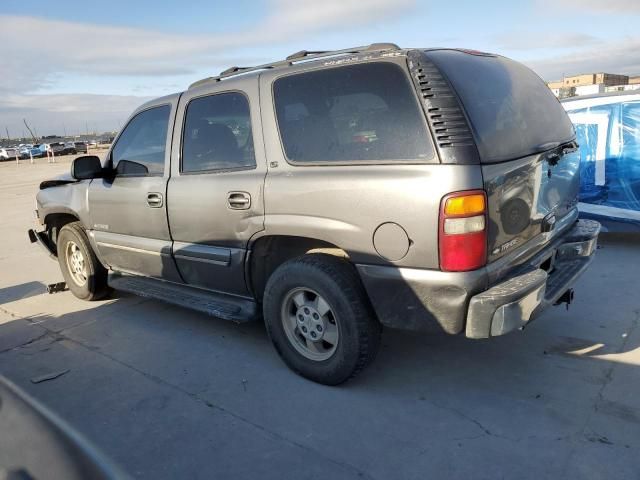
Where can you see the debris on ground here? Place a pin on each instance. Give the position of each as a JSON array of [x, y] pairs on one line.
[[49, 376]]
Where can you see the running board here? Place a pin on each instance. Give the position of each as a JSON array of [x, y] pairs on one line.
[[227, 307]]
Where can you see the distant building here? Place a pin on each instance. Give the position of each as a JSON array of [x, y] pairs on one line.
[[634, 80], [622, 88], [589, 84], [605, 79], [556, 87]]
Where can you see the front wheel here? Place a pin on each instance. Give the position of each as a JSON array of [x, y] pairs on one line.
[[82, 271], [319, 318]]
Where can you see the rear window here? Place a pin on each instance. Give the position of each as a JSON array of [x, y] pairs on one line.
[[356, 113], [512, 111]]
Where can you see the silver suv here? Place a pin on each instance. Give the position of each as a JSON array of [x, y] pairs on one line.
[[332, 193]]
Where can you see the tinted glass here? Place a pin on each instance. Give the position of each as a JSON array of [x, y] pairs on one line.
[[142, 143], [217, 134], [512, 111], [365, 112]]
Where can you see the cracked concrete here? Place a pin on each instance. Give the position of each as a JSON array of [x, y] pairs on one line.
[[169, 393]]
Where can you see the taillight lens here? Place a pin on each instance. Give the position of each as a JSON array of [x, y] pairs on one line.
[[463, 231]]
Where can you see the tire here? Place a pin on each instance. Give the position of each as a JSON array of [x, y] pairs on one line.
[[350, 332], [78, 261]]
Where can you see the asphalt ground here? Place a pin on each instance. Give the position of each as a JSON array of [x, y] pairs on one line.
[[169, 393]]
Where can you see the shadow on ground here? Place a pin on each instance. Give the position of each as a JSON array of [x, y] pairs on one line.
[[22, 291]]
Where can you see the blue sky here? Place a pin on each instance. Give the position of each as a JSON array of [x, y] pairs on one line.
[[76, 63]]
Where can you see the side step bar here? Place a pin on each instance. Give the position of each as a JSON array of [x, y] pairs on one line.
[[227, 307]]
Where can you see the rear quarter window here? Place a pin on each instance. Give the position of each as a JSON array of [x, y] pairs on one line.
[[357, 113]]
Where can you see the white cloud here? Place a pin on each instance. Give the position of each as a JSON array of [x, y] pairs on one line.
[[40, 51], [619, 56], [534, 40], [595, 6], [55, 114], [54, 46], [296, 16]]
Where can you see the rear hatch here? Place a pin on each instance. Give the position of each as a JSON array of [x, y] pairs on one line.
[[526, 148]]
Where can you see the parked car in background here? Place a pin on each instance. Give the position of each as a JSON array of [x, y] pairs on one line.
[[40, 150], [24, 150], [331, 194], [93, 144], [608, 131], [35, 151], [81, 147], [8, 153], [57, 148], [69, 148]]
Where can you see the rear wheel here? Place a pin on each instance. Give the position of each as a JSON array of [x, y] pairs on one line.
[[82, 271], [319, 318]]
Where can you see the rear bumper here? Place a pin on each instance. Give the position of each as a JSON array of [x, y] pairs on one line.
[[515, 302], [434, 301]]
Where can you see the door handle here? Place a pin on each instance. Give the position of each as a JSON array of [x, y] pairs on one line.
[[154, 200], [239, 200]]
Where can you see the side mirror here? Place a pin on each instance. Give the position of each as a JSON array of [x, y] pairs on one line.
[[86, 167]]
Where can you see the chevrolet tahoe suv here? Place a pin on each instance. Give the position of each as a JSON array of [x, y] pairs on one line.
[[332, 194]]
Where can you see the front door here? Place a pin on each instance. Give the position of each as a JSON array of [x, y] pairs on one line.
[[216, 189], [129, 212]]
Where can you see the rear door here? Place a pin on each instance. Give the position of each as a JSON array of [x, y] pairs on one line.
[[216, 189], [526, 146]]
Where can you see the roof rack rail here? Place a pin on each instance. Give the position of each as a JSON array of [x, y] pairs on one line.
[[305, 53], [295, 57]]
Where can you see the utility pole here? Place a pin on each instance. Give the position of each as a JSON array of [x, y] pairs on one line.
[[8, 137]]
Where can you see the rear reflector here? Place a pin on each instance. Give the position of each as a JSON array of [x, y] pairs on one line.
[[463, 231]]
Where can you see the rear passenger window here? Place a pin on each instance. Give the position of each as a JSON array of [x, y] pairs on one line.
[[141, 147], [217, 134], [366, 112]]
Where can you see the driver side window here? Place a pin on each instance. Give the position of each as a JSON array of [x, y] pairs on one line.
[[140, 150]]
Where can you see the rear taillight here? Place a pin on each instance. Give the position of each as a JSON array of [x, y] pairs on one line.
[[463, 231]]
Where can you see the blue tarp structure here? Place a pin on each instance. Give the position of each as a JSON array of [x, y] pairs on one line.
[[609, 138]]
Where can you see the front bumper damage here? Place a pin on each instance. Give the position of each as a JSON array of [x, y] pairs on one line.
[[42, 239]]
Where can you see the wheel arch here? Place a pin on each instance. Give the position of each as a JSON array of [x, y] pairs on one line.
[[268, 252], [54, 221]]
